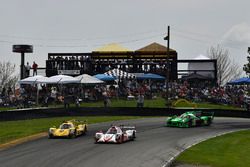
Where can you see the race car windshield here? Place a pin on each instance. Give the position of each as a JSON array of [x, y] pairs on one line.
[[183, 116], [112, 131], [65, 126]]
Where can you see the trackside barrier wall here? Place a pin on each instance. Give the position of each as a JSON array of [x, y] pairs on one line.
[[98, 111]]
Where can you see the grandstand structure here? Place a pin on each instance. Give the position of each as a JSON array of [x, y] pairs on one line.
[[149, 59]]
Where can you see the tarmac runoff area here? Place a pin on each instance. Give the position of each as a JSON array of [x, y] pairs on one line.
[[155, 145]]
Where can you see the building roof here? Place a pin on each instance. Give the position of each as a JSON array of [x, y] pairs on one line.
[[201, 57], [154, 47], [112, 47]]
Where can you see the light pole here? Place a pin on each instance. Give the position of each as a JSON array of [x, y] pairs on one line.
[[168, 66]]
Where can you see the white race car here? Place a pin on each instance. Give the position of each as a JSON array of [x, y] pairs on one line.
[[116, 134]]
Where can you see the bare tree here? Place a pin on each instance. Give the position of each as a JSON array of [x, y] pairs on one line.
[[8, 78], [226, 68], [236, 71]]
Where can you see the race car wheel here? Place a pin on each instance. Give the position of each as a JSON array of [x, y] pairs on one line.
[[133, 136], [209, 122], [75, 134], [51, 136], [84, 131], [72, 135], [120, 140], [96, 141]]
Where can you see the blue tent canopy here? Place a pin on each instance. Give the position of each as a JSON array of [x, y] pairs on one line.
[[243, 80], [150, 76], [104, 77]]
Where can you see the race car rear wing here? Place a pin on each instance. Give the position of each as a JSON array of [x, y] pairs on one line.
[[76, 121], [128, 127], [207, 113]]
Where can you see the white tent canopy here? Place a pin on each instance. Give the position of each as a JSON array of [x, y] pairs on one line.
[[116, 73], [201, 57], [61, 79], [33, 80], [87, 79], [201, 67]]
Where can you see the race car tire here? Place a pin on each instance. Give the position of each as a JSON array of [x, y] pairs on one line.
[[209, 122], [180, 125], [75, 134], [96, 141], [133, 136], [84, 131], [51, 136], [71, 136], [120, 140], [203, 123]]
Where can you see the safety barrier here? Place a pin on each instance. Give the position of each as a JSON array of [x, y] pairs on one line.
[[99, 111]]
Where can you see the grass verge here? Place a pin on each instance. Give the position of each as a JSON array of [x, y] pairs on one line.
[[149, 103], [156, 103], [12, 130], [229, 150]]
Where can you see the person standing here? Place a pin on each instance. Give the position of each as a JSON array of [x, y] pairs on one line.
[[105, 99], [27, 70], [140, 101], [107, 102], [34, 67], [53, 94]]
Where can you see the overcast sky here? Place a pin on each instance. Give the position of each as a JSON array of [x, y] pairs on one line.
[[84, 25]]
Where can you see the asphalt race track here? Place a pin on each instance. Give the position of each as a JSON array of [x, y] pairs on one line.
[[153, 147]]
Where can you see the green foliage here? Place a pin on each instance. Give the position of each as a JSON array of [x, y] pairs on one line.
[[12, 130], [229, 150], [246, 67]]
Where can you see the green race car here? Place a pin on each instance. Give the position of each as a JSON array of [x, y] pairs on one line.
[[191, 118]]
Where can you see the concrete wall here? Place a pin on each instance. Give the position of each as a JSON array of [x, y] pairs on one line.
[[59, 112]]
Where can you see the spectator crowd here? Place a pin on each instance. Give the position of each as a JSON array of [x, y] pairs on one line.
[[235, 95]]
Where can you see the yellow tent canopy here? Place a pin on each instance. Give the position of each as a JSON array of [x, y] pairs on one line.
[[113, 47]]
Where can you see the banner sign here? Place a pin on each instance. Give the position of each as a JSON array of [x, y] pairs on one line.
[[69, 72]]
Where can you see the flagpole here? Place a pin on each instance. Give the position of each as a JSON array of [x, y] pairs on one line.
[[168, 66]]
